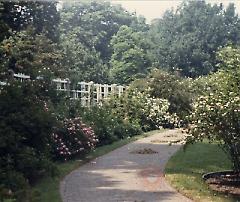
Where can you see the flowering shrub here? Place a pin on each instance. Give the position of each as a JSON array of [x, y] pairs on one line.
[[216, 116], [173, 88], [150, 113], [163, 85], [107, 126], [155, 111], [73, 138]]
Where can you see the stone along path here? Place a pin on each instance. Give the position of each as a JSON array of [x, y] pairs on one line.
[[132, 173]]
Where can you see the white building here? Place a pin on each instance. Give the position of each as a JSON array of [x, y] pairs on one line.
[[88, 92]]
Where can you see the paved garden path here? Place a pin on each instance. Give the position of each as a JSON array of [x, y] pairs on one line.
[[124, 175]]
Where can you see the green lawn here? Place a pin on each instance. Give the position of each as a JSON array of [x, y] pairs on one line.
[[184, 171], [48, 188]]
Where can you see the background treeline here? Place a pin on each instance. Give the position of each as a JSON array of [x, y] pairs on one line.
[[104, 43], [180, 69]]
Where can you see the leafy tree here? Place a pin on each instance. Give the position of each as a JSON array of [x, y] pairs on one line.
[[94, 24], [4, 29], [41, 15], [187, 40], [139, 24], [130, 59], [86, 31], [29, 54], [81, 62]]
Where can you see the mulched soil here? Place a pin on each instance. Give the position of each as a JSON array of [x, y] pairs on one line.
[[227, 184], [173, 135], [160, 141], [144, 151]]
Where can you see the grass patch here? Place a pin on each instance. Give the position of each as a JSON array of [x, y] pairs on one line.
[[185, 169], [48, 188]]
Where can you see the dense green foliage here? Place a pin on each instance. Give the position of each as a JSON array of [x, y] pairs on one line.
[[178, 91], [34, 135], [187, 40], [86, 31], [109, 127], [142, 109], [104, 43], [18, 15], [25, 139], [94, 24], [129, 60], [34, 55]]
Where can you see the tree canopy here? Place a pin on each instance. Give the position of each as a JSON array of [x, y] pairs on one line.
[[86, 31], [130, 59], [101, 42], [43, 16], [187, 40]]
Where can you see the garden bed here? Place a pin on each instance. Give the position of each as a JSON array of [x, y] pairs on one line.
[[227, 182]]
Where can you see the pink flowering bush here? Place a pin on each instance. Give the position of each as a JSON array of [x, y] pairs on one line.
[[73, 138]]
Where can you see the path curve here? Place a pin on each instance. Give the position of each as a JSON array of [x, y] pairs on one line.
[[124, 176]]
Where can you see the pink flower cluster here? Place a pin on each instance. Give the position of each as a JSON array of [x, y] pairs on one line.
[[74, 138]]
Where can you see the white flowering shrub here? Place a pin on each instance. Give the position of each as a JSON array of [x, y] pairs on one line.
[[155, 113], [179, 92], [73, 138], [216, 116], [150, 113]]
